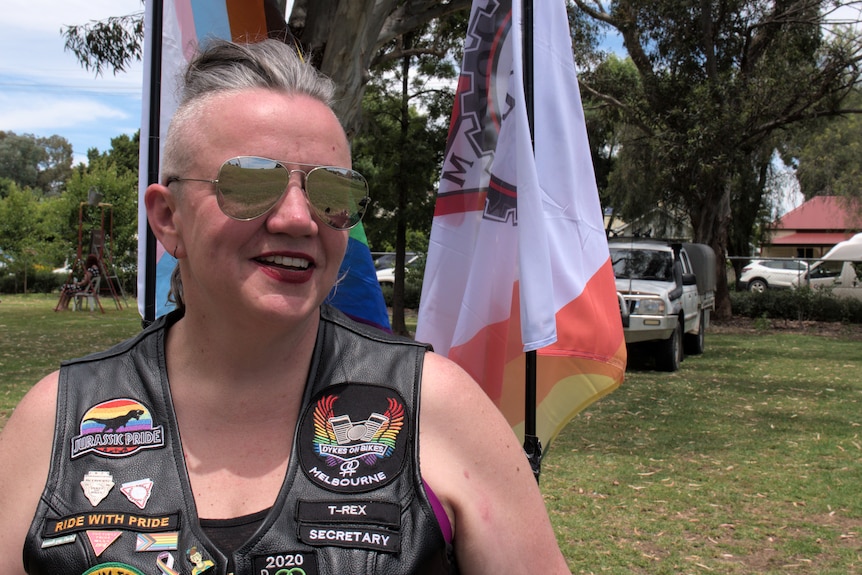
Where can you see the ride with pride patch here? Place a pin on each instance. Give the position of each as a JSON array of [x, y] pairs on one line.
[[128, 521]]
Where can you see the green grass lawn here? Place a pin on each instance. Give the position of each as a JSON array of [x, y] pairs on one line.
[[747, 460]]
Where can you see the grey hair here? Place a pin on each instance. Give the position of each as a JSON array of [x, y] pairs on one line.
[[224, 67]]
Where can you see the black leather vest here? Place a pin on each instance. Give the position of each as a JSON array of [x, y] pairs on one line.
[[118, 499]]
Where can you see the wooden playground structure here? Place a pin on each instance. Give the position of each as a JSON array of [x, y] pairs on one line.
[[100, 244]]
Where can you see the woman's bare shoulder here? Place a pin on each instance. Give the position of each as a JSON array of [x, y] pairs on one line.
[[474, 463], [25, 456]]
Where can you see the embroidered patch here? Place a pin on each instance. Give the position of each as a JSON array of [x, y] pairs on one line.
[[117, 428], [352, 538], [112, 569], [367, 512], [286, 563], [351, 437], [127, 521]]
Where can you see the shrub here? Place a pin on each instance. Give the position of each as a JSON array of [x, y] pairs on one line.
[[40, 281], [802, 304], [412, 292]]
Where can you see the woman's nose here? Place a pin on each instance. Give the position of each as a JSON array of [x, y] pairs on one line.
[[292, 214]]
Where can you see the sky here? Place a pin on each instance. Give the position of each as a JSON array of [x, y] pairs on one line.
[[44, 91]]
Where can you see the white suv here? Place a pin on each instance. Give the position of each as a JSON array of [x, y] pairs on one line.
[[760, 275]]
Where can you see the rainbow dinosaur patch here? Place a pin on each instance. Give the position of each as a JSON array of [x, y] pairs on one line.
[[117, 428]]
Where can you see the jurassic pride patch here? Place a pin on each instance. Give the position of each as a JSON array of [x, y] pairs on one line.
[[353, 437], [117, 428]]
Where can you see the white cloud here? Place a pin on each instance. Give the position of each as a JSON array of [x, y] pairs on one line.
[[46, 16], [43, 88], [40, 113]]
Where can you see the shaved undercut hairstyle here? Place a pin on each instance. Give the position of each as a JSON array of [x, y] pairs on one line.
[[224, 67]]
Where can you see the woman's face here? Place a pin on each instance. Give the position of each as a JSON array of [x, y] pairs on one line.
[[284, 263]]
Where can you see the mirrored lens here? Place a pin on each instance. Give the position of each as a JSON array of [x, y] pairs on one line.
[[338, 195], [249, 187]]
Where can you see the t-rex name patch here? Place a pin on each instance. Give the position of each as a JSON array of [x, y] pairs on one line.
[[353, 437], [117, 428]]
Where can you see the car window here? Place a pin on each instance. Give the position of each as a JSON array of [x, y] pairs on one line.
[[827, 269], [642, 264]]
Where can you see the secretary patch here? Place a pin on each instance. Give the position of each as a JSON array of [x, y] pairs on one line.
[[117, 428], [352, 437], [353, 538]]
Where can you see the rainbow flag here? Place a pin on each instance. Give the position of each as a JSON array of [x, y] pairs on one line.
[[518, 259], [185, 25]]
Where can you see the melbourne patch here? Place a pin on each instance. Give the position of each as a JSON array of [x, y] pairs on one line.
[[117, 428], [353, 437]]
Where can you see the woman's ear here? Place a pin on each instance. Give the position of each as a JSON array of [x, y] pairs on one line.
[[162, 216]]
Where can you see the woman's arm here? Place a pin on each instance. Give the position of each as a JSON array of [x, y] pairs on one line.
[[473, 462], [25, 456]]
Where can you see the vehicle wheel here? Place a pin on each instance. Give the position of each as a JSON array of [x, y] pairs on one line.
[[693, 342], [669, 355], [757, 285]]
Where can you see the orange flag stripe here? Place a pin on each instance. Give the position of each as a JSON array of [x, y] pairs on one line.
[[585, 364]]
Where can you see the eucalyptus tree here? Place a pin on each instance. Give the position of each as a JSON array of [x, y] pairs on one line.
[[717, 84], [41, 164], [346, 39], [828, 159]]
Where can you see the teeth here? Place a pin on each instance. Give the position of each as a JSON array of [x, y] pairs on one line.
[[286, 261]]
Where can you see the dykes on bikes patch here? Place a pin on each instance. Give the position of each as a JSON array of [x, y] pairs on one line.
[[353, 438], [117, 428]]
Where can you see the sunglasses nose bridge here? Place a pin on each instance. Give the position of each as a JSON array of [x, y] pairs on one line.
[[302, 178], [295, 178]]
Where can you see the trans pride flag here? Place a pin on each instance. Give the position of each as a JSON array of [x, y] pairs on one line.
[[518, 260], [185, 25]]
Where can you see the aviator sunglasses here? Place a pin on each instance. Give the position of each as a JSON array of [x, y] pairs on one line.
[[249, 186]]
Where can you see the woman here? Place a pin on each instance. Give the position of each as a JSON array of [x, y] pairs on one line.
[[256, 429], [68, 291]]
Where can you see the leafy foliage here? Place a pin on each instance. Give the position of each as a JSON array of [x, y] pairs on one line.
[[715, 86], [40, 232], [108, 44], [829, 160], [42, 164]]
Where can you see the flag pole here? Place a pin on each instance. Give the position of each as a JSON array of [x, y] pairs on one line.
[[155, 89], [532, 445]]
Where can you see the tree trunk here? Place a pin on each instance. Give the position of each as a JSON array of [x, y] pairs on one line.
[[711, 227], [399, 325], [344, 36]]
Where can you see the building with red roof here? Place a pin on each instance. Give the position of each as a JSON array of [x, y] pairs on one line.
[[810, 230]]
